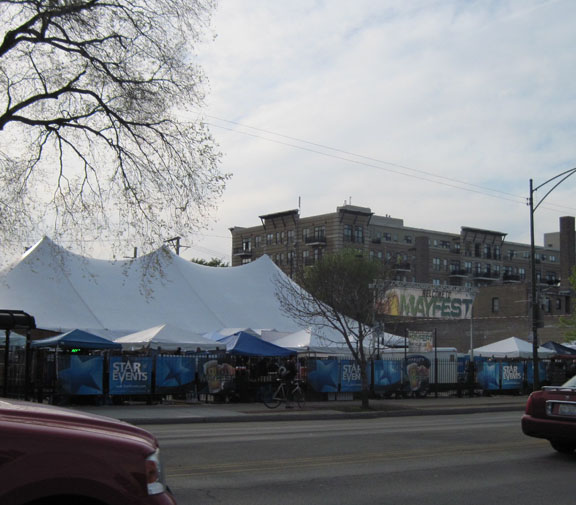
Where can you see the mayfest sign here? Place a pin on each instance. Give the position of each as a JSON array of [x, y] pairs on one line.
[[427, 301]]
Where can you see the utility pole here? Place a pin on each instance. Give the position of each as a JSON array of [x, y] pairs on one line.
[[534, 292]]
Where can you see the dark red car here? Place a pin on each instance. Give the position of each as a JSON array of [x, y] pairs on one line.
[[551, 414], [50, 456]]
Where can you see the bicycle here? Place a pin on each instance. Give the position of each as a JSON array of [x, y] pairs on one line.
[[272, 398]]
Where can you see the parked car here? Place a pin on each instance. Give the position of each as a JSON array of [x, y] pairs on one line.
[[51, 455], [551, 414]]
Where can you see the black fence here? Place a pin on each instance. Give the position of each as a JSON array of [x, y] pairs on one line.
[[104, 376]]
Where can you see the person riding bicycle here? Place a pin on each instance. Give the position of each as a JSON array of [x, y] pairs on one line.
[[287, 373]]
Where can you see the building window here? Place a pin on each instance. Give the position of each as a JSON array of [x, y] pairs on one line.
[[305, 234], [245, 261], [269, 238], [387, 237], [408, 239], [495, 305], [552, 258], [257, 241], [319, 233], [436, 264], [558, 304], [246, 244], [497, 252], [468, 267], [359, 235], [522, 273], [436, 282], [290, 235], [348, 233]]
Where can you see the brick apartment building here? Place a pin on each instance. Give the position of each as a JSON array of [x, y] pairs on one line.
[[473, 258]]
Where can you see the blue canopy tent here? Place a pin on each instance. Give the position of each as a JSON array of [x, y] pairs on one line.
[[76, 339], [245, 344], [559, 348]]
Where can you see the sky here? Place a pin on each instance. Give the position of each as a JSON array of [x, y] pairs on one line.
[[437, 112]]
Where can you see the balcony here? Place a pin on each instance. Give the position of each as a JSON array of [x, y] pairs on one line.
[[485, 275], [315, 240], [242, 252], [459, 272], [402, 267], [512, 278]]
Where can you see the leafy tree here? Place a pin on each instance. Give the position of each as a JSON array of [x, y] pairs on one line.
[[339, 293], [98, 127], [213, 262]]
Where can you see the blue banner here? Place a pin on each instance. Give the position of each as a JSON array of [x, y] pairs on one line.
[[350, 377], [80, 375], [174, 372], [130, 375], [512, 375], [387, 373], [542, 374], [324, 375], [487, 374]]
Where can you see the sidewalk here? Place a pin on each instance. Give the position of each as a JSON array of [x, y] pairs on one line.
[[180, 413]]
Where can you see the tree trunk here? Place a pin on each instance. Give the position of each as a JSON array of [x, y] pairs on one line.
[[365, 394]]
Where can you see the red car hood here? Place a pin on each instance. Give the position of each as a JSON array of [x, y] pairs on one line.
[[36, 413]]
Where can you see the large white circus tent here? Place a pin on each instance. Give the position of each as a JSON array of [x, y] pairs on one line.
[[66, 291]]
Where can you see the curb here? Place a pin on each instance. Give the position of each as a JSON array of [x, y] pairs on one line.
[[320, 416]]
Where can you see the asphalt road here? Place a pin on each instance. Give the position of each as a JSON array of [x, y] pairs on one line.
[[473, 459]]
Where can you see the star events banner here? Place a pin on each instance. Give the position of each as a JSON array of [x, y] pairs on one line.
[[174, 373], [80, 375], [130, 375], [350, 377], [493, 375]]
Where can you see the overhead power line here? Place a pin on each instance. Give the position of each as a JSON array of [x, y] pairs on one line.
[[370, 162]]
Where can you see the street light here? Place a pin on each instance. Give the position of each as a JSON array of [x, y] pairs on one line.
[[563, 176]]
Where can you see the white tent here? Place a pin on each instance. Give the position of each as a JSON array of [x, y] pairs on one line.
[[512, 347], [167, 337], [290, 340], [65, 291]]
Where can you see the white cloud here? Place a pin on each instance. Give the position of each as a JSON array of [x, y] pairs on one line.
[[479, 92]]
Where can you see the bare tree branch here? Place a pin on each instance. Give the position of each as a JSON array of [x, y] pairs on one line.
[[99, 102]]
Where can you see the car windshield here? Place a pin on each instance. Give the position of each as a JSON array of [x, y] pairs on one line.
[[571, 383]]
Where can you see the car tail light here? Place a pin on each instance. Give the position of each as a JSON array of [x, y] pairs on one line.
[[530, 405], [155, 474]]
